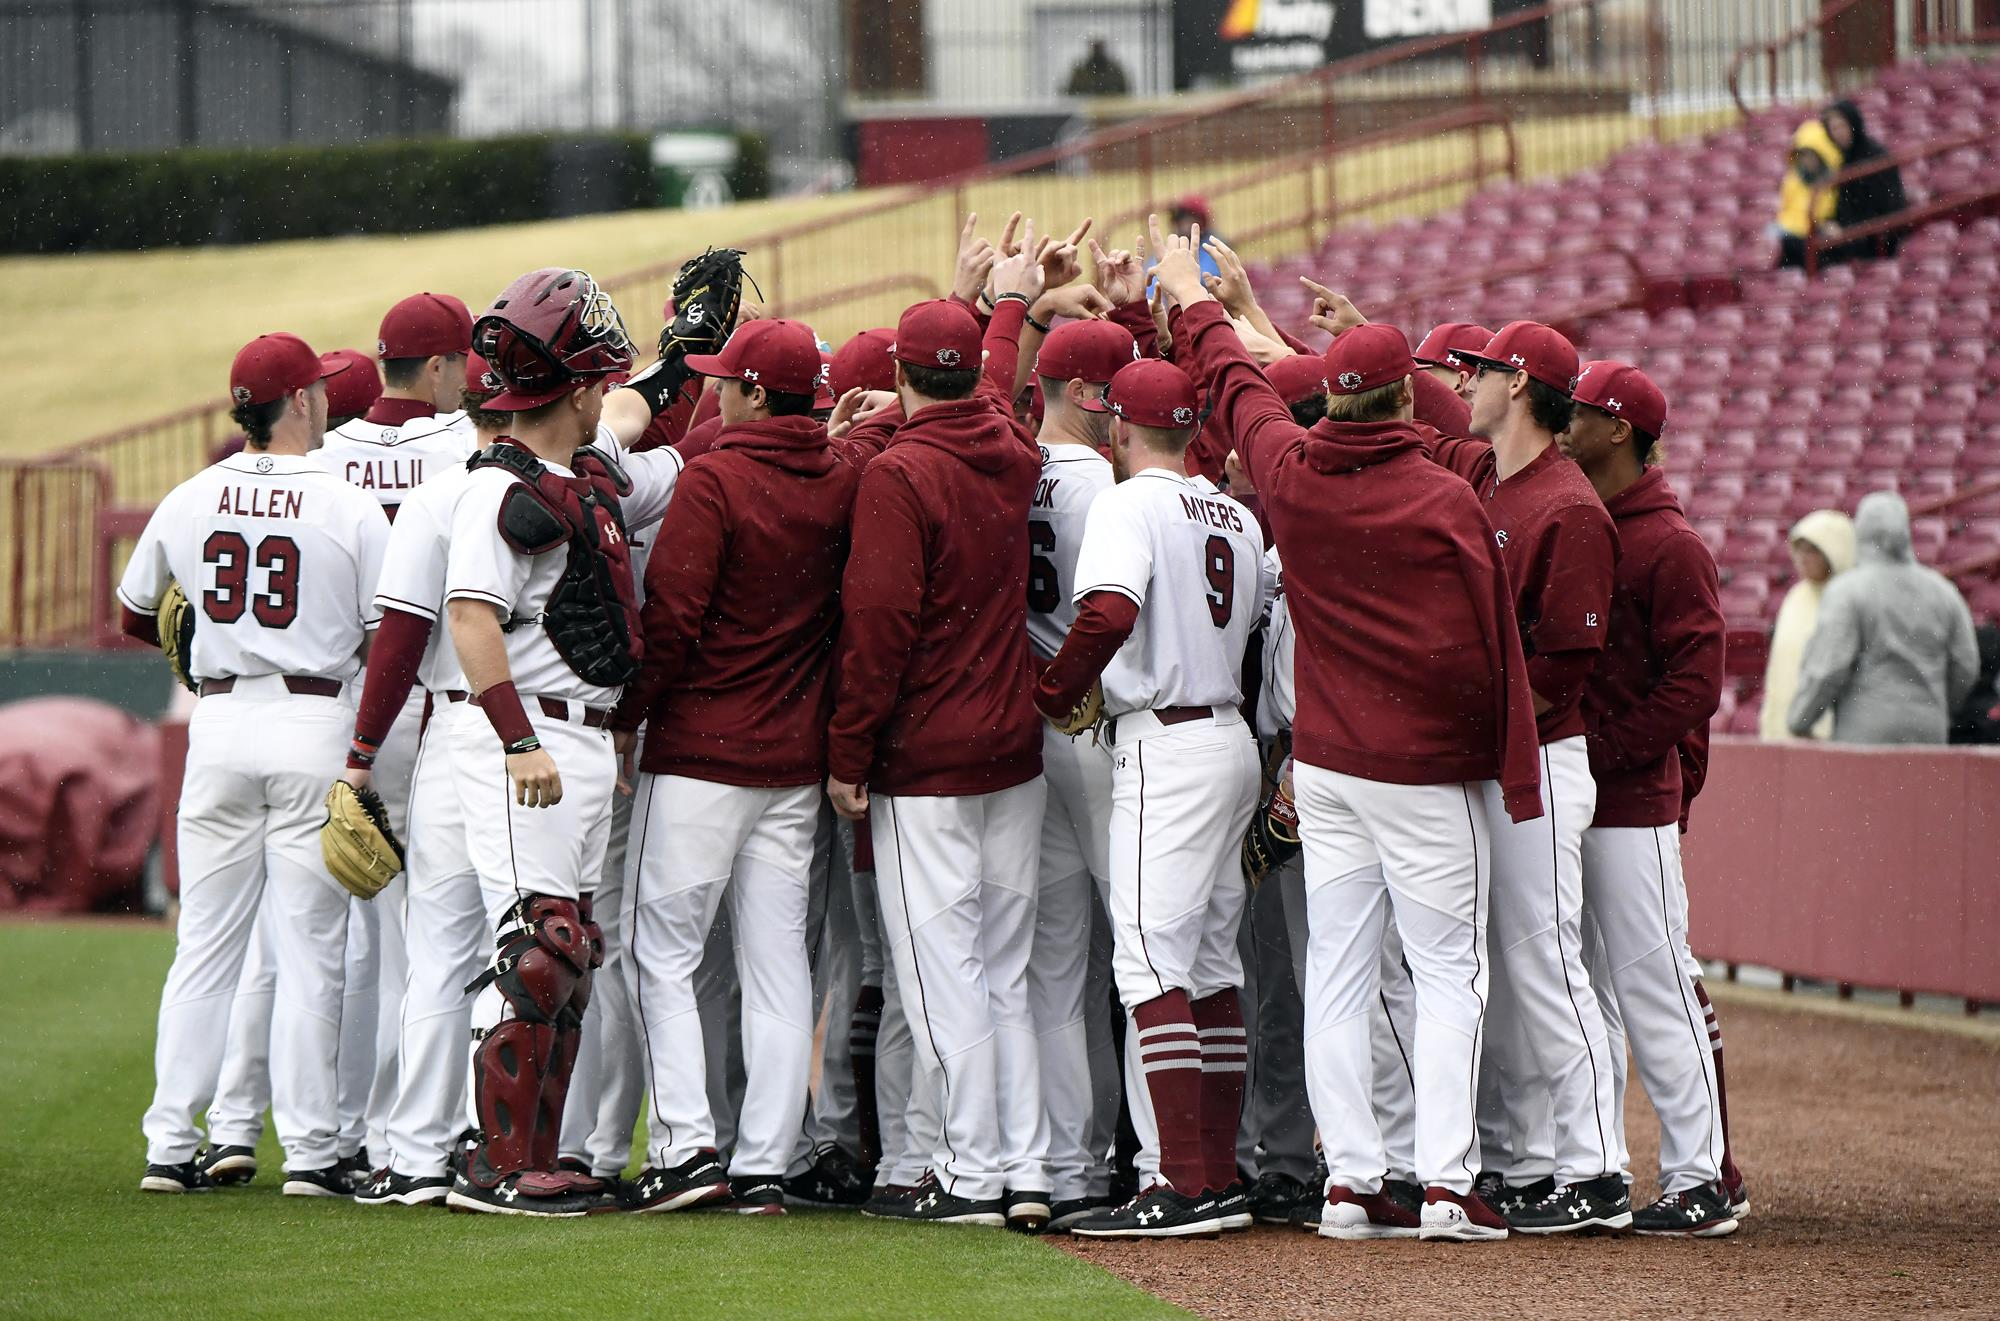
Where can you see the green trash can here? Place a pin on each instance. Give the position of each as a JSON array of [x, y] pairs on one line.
[[692, 170]]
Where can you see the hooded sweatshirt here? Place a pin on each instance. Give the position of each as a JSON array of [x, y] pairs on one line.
[[742, 607], [1798, 212], [935, 693], [1660, 677], [1872, 196], [1832, 534], [1409, 665], [1894, 654]]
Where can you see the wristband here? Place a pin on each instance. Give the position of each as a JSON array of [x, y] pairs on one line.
[[660, 384], [1042, 326], [1027, 305], [519, 746], [361, 754], [502, 706], [986, 300]]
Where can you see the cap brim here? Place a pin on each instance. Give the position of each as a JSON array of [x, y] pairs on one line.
[[1479, 360], [336, 369], [1097, 405], [710, 364]]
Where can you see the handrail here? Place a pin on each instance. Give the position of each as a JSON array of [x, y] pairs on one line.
[[1905, 155], [1769, 49], [1898, 221], [1938, 504], [1482, 276]]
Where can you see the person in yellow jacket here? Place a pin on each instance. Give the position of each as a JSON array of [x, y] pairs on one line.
[[1801, 210], [1822, 546]]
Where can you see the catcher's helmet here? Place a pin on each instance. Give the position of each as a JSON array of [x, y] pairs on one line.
[[548, 332]]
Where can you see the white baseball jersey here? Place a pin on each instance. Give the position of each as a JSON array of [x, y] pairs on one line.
[[390, 462], [1072, 477], [1193, 561], [279, 558], [413, 571], [1279, 704], [481, 566]]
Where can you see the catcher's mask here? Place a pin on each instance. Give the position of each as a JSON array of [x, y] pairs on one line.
[[547, 332]]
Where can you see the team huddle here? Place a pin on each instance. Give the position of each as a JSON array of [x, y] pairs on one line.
[[1154, 775]]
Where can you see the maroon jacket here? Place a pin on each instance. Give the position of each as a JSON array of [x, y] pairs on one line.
[[1409, 665], [742, 606], [934, 689], [1561, 554], [1660, 678]]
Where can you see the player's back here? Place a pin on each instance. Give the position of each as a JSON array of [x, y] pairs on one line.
[[1073, 476], [413, 570], [389, 462]]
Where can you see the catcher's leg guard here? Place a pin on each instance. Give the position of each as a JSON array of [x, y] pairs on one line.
[[544, 958], [569, 1040]]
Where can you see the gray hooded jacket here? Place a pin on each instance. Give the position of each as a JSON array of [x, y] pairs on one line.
[[1893, 655]]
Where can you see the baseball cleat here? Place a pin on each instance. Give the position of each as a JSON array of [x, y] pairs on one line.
[[1352, 1216], [1459, 1218], [1159, 1212], [756, 1195], [183, 1178], [834, 1179], [355, 1170], [1513, 1198], [388, 1188], [522, 1193], [1600, 1204], [1232, 1207], [1066, 1214], [1028, 1212], [1273, 1197], [891, 1202], [1408, 1195], [1698, 1212], [329, 1182], [697, 1181], [228, 1167], [1738, 1190], [936, 1206]]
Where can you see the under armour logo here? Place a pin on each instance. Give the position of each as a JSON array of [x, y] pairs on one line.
[[1576, 1211], [1614, 405], [509, 1192], [1183, 416], [750, 373], [240, 393], [1350, 380], [1692, 1212], [1151, 1214], [947, 357], [1452, 359], [1517, 360]]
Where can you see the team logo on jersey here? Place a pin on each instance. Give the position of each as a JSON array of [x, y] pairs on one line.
[[240, 393], [1183, 416], [264, 463], [947, 357], [1350, 380], [388, 436]]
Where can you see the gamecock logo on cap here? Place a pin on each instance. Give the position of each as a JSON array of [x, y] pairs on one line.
[[1350, 380], [1183, 415], [947, 357], [240, 393]]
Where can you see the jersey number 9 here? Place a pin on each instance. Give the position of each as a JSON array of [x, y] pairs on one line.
[[231, 557], [1219, 561]]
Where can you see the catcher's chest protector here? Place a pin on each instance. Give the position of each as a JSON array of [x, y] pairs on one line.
[[592, 616]]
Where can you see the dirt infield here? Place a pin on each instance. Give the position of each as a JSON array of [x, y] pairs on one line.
[[1874, 1183]]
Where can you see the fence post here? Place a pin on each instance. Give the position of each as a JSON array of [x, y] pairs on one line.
[[1656, 82]]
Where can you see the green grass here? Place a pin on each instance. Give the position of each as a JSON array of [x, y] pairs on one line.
[[78, 1240]]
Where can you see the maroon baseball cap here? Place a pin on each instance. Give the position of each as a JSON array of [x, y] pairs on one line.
[[1447, 345], [272, 366], [1151, 392], [481, 381], [774, 353], [354, 386], [866, 362], [423, 325], [1531, 347], [1093, 351], [1298, 377], [1366, 357], [938, 333], [1622, 390]]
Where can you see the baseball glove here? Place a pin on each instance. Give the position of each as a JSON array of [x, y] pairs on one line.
[[707, 295], [1273, 837], [175, 622], [1087, 713], [360, 848]]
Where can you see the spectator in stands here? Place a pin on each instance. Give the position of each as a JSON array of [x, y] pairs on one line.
[[1859, 201], [1894, 655], [1802, 209], [1978, 719], [1822, 546], [1097, 74]]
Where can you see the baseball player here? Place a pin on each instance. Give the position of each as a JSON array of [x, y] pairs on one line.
[[279, 563], [539, 601], [1411, 692], [740, 616], [1169, 583], [353, 388], [1660, 679], [444, 915], [1549, 1065], [1444, 355], [934, 737]]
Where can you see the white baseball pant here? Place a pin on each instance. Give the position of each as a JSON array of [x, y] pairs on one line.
[[956, 876], [834, 1118], [609, 1082], [894, 1047], [243, 1092], [1421, 851], [252, 803], [1633, 888], [1554, 1050], [689, 836]]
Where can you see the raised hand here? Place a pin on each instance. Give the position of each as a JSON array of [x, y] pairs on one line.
[[1121, 275], [1080, 301], [1231, 287], [975, 261], [1331, 311], [1018, 274], [1059, 258], [1178, 269]]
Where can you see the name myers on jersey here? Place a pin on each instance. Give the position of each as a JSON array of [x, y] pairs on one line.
[[1211, 513], [261, 502], [385, 474]]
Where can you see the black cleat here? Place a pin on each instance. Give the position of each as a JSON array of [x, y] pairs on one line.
[[1513, 1198], [1159, 1212], [183, 1178], [697, 1181], [756, 1195], [388, 1188], [891, 1202], [1029, 1212], [1602, 1204], [522, 1193], [834, 1179], [932, 1204], [1409, 1196], [1699, 1212], [329, 1182], [228, 1167], [1066, 1214], [1232, 1207], [355, 1170], [1273, 1198]]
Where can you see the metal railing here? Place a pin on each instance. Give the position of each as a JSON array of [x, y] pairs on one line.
[[1965, 201], [50, 565]]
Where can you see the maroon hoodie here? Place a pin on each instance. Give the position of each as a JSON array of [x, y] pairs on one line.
[[742, 605], [934, 689], [1660, 678], [1410, 667]]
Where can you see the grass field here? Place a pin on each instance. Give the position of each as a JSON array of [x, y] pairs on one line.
[[77, 1240]]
